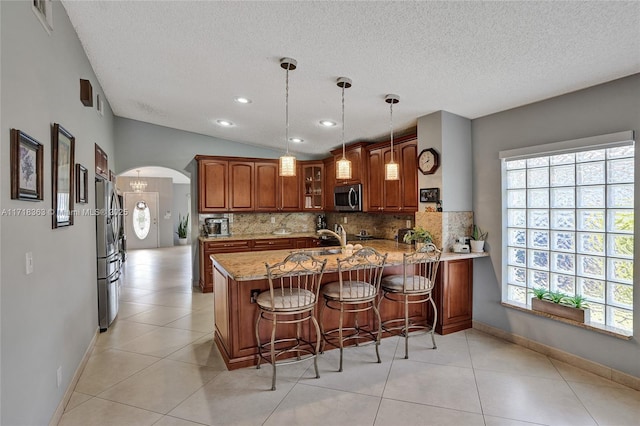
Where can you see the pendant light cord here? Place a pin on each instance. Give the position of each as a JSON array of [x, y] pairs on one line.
[[343, 150], [286, 103], [391, 125]]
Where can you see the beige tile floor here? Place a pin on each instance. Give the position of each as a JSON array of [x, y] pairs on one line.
[[158, 365]]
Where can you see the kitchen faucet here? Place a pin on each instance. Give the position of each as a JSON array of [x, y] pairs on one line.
[[342, 237]]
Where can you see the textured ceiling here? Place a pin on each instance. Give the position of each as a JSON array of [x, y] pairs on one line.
[[181, 63]]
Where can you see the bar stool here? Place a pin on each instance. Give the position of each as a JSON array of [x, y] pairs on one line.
[[291, 299], [355, 292], [415, 285]]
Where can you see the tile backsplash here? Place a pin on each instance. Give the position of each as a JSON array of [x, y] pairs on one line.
[[260, 223], [379, 225]]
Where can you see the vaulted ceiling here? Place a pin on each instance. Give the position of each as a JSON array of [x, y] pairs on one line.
[[181, 63]]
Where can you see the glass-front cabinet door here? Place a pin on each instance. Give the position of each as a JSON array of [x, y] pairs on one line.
[[313, 175]]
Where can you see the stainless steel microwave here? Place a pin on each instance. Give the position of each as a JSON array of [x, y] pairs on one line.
[[348, 198]]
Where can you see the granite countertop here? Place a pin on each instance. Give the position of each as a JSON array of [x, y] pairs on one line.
[[235, 237], [251, 265]]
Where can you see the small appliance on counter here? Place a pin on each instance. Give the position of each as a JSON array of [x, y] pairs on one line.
[[217, 226], [461, 245], [401, 233]]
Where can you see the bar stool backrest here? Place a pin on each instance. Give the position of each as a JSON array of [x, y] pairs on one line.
[[294, 283], [420, 269], [364, 266]]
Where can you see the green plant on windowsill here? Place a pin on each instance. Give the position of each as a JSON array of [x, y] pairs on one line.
[[559, 304], [539, 293], [576, 301], [419, 235], [182, 226]]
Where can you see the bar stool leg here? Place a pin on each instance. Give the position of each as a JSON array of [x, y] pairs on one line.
[[340, 334], [318, 338], [406, 326], [377, 312], [258, 340], [433, 326], [273, 351], [321, 337]]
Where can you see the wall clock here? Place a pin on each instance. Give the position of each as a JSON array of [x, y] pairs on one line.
[[428, 161]]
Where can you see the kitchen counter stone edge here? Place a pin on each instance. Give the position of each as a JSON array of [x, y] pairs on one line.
[[249, 266]]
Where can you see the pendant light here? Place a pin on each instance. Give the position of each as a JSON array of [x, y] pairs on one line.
[[287, 161], [138, 185], [391, 171], [343, 166]]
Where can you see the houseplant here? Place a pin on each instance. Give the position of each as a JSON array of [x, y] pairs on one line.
[[478, 237], [560, 304], [183, 224], [419, 236]]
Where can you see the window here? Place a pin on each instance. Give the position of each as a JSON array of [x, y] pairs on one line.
[[569, 227], [141, 219], [44, 12]]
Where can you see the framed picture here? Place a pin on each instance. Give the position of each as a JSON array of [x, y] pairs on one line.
[[26, 167], [82, 182], [429, 195], [63, 145]]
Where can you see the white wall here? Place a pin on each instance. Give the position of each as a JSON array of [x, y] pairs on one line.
[[607, 108], [50, 316]]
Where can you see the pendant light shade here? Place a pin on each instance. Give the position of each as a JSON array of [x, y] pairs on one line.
[[343, 166], [138, 185], [391, 169], [287, 161]]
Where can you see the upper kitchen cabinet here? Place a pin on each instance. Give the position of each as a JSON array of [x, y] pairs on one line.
[[393, 196], [224, 185], [213, 187], [313, 185], [356, 154], [275, 193], [329, 183]]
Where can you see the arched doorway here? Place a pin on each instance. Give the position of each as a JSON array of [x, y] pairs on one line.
[[153, 209]]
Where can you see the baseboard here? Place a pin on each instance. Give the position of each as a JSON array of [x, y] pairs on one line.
[[57, 415], [585, 364]]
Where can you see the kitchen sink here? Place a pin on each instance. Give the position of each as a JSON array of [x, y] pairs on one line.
[[324, 251]]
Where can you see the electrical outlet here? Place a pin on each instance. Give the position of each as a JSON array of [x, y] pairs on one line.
[[254, 295], [29, 262], [344, 219], [59, 376], [408, 224], [273, 219]]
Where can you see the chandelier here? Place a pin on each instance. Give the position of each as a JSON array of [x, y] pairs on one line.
[[138, 185]]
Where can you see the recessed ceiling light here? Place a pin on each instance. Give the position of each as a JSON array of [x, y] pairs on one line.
[[242, 100], [327, 123], [224, 123], [296, 140]]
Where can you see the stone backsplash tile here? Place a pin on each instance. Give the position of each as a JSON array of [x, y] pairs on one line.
[[446, 226], [379, 225], [260, 223]]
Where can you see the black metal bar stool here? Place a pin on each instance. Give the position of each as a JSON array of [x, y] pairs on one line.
[[355, 292], [415, 285], [291, 299]]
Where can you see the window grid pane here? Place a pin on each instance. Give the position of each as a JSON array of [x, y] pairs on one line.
[[570, 228]]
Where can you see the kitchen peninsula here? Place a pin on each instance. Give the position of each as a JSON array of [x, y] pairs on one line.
[[238, 277]]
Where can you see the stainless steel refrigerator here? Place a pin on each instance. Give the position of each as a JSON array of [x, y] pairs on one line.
[[108, 217]]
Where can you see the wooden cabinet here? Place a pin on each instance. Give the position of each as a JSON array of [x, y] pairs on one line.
[[356, 154], [208, 248], [313, 185], [392, 196], [454, 295], [213, 186], [266, 186], [329, 183], [290, 190], [241, 186], [102, 162]]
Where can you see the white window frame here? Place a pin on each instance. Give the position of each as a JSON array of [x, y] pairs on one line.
[[44, 13], [613, 140]]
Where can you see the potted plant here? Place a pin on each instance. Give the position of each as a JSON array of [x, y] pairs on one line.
[[560, 304], [478, 237], [183, 224], [419, 236]]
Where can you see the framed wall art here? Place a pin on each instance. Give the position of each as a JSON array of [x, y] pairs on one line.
[[82, 184], [62, 160], [429, 195], [26, 167]]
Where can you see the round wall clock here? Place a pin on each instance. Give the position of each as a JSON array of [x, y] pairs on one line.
[[428, 161]]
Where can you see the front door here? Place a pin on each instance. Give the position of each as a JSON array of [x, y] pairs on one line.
[[141, 220]]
